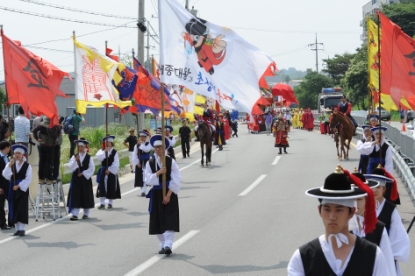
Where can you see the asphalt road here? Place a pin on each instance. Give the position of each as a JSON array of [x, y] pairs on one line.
[[244, 215]]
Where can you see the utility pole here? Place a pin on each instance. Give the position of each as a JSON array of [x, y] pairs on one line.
[[316, 49], [140, 50], [187, 5], [148, 67]]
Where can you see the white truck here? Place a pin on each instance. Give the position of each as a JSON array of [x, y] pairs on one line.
[[329, 97]]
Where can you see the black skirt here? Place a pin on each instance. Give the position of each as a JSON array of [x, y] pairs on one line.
[[80, 193], [20, 206], [164, 217], [113, 186], [139, 174]]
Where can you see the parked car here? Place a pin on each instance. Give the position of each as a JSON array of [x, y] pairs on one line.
[[410, 116]]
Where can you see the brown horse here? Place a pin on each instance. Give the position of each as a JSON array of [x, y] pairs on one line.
[[346, 131], [204, 132]]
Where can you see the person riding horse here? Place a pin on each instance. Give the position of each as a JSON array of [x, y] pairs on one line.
[[345, 108], [207, 118]]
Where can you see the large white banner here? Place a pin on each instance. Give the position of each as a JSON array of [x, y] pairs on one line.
[[210, 60]]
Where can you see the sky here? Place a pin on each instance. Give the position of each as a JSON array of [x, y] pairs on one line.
[[281, 29]]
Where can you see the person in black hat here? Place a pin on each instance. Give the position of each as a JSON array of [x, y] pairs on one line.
[[80, 193], [388, 214], [337, 252], [164, 212], [107, 176], [364, 158], [169, 135], [184, 137], [141, 155], [19, 172]]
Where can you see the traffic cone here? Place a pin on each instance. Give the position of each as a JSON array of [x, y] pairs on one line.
[[403, 127]]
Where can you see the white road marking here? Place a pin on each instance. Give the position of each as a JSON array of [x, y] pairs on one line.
[[253, 185], [147, 264], [276, 160]]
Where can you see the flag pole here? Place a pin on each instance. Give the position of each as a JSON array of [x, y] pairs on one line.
[[379, 83], [106, 121], [77, 130], [163, 142], [8, 107]]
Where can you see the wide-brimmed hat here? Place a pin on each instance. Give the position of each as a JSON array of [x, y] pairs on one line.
[[169, 128], [19, 148], [144, 133], [45, 122], [158, 130], [155, 141], [369, 182], [336, 186], [131, 129], [109, 138], [379, 128], [81, 142], [364, 127]]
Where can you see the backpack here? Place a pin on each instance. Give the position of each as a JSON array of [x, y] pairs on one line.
[[68, 127]]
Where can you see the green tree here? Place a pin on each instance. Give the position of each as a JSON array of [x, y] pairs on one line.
[[307, 92], [402, 14], [287, 79], [337, 66], [2, 99], [355, 79]]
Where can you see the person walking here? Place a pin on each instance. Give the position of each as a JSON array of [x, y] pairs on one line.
[[4, 185], [130, 143], [184, 137], [268, 122]]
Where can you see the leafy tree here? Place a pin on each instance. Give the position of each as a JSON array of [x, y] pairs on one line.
[[337, 66], [356, 78], [2, 99], [402, 14], [307, 92], [287, 79]]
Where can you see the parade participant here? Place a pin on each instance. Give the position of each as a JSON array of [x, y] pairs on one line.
[[80, 193], [107, 176], [337, 252], [141, 155], [373, 121], [295, 119], [268, 122], [364, 158], [235, 128], [132, 141], [280, 129], [327, 121], [346, 108], [322, 118], [169, 135], [158, 130], [4, 184], [366, 210], [164, 212], [304, 120], [184, 137], [208, 118], [19, 173], [378, 150], [300, 119], [226, 127], [388, 214], [220, 133], [310, 120]]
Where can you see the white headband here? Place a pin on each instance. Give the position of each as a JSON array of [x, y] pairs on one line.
[[344, 202], [22, 151], [157, 143]]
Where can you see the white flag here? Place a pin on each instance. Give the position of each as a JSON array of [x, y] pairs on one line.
[[210, 60]]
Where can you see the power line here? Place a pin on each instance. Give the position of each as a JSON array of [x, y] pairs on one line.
[[65, 19], [77, 10], [296, 31], [47, 49]]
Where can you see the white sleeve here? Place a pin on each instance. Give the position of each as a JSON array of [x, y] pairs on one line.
[[7, 172], [175, 177], [367, 148], [359, 145], [295, 266], [100, 155], [135, 157], [25, 183], [150, 178], [88, 173], [73, 165], [115, 165], [173, 142], [146, 148], [386, 248], [388, 160], [399, 239], [380, 268]]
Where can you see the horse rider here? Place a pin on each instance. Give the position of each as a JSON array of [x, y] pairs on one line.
[[207, 117], [345, 108]]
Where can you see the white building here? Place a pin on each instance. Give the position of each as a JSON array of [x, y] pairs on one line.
[[370, 8]]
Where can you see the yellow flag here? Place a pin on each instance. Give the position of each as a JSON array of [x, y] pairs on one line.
[[200, 99]]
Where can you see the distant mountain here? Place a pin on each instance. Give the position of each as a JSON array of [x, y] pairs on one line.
[[292, 73]]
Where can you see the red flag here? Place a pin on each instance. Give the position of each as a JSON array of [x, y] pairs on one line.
[[217, 107], [272, 68], [31, 81], [284, 90], [397, 65], [108, 52]]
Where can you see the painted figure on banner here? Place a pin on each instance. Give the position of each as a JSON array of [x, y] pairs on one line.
[[210, 51], [94, 80]]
